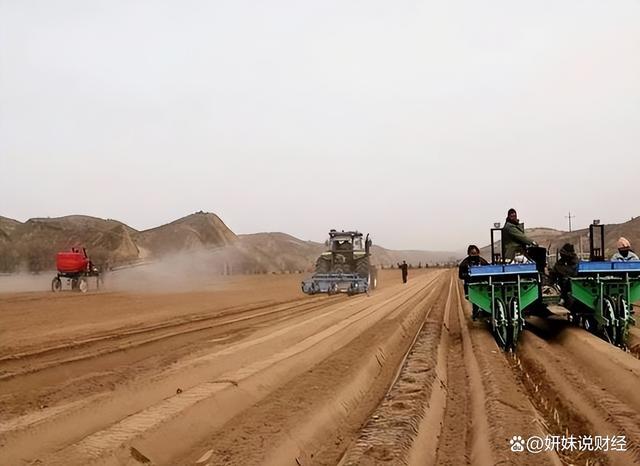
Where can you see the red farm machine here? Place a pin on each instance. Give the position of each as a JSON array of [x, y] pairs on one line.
[[76, 267]]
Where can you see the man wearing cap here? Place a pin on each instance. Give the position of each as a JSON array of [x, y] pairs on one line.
[[514, 240], [565, 267], [473, 258], [624, 253]]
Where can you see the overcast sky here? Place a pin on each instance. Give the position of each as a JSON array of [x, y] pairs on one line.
[[421, 122]]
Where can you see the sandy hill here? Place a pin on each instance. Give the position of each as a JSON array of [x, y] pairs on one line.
[[201, 230], [32, 245], [554, 239], [280, 251]]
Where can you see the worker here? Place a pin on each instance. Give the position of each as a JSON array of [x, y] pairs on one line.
[[405, 270], [473, 258], [514, 240], [565, 267], [624, 253]]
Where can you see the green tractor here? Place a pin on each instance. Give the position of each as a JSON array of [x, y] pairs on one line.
[[344, 267]]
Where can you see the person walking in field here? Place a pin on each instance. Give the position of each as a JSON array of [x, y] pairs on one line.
[[405, 270], [624, 253], [514, 240]]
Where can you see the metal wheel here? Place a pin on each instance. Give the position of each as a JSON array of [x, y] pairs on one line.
[[500, 324], [611, 327], [83, 286], [56, 285], [589, 323], [624, 310], [515, 323], [623, 313]]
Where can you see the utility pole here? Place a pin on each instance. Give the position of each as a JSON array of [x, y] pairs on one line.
[[569, 217]]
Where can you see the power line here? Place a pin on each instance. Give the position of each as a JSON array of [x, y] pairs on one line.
[[569, 217]]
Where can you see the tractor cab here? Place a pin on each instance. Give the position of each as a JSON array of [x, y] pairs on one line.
[[347, 241]]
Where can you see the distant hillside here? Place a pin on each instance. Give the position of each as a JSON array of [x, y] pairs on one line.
[[201, 240], [204, 238], [294, 254], [32, 245]]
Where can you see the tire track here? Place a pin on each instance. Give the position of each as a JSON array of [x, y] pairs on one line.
[[329, 401], [390, 433], [13, 365], [234, 391], [584, 386]]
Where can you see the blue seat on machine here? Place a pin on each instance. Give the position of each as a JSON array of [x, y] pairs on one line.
[[507, 269], [484, 270], [595, 266], [520, 268], [628, 266]]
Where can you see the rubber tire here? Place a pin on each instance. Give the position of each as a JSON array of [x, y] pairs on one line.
[[83, 285], [56, 285], [323, 265], [363, 268]]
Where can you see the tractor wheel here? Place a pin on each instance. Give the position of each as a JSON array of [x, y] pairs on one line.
[[83, 285], [56, 285], [322, 265], [365, 270]]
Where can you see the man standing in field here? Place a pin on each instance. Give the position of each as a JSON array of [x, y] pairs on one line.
[[405, 270], [514, 240]]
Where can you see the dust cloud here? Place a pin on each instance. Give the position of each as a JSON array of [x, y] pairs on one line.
[[186, 271], [206, 270], [23, 282]]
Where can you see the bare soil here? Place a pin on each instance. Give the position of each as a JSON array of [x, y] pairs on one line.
[[248, 370]]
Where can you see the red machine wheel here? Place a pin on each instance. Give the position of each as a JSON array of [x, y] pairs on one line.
[[83, 285], [56, 285]]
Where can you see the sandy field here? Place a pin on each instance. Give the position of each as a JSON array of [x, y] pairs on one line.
[[247, 370]]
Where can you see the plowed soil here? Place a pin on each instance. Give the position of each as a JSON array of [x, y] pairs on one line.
[[249, 371]]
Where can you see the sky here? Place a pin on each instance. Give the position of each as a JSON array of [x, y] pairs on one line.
[[420, 122]]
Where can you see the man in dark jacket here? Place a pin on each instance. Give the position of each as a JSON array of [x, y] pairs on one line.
[[565, 268], [405, 270], [514, 240], [473, 258]]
